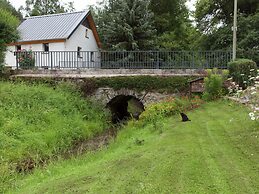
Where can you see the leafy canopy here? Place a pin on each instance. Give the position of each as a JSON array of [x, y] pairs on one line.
[[8, 30], [45, 7], [126, 25]]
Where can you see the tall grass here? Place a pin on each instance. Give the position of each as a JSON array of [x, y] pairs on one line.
[[38, 123]]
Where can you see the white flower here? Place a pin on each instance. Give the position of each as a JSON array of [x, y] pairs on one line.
[[253, 93], [253, 118], [252, 69], [251, 114], [245, 82], [253, 88], [242, 74]]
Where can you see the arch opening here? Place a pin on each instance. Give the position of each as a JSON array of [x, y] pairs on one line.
[[125, 107]]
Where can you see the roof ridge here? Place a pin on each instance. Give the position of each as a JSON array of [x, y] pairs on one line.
[[57, 14]]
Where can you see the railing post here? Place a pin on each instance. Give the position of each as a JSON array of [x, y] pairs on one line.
[[16, 59], [157, 60], [51, 63]]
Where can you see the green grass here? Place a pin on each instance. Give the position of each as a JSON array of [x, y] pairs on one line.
[[217, 152], [38, 123]]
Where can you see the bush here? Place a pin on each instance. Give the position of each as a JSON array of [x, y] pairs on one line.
[[242, 70], [157, 111], [26, 59], [214, 85]]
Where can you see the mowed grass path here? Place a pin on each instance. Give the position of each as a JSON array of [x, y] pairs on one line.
[[217, 152]]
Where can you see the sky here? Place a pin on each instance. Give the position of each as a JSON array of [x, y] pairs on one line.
[[84, 4]]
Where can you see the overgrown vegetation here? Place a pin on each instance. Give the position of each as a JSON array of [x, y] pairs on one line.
[[8, 31], [156, 112], [170, 84], [39, 123], [242, 70], [214, 84]]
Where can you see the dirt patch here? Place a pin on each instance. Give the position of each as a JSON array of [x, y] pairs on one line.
[[93, 144], [78, 148]]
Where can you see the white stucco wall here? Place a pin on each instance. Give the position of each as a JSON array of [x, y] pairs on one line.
[[60, 60], [78, 39], [10, 59]]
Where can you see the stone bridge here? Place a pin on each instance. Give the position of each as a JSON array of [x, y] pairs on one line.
[[118, 101]]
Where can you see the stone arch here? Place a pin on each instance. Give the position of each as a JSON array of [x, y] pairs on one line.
[[124, 107], [105, 95]]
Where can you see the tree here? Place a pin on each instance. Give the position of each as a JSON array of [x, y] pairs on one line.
[[210, 14], [45, 7], [174, 28], [8, 31], [169, 15], [5, 5], [126, 25]]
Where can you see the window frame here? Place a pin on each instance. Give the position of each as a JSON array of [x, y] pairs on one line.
[[18, 47], [86, 33], [79, 52], [45, 45]]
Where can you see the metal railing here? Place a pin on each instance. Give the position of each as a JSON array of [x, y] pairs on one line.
[[122, 59]]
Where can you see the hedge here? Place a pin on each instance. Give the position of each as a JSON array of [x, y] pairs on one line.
[[242, 71]]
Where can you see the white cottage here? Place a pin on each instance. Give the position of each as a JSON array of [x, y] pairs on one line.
[[52, 35]]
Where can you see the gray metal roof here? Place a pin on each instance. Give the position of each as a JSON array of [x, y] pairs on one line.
[[50, 27]]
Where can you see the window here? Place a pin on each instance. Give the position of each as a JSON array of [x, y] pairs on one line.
[[46, 47], [18, 47], [86, 33], [92, 57], [79, 53]]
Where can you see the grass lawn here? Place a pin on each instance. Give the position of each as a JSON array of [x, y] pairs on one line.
[[217, 152]]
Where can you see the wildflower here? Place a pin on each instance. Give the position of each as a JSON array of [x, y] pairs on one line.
[[251, 114], [245, 82], [253, 118], [252, 70], [242, 74], [253, 88], [253, 93]]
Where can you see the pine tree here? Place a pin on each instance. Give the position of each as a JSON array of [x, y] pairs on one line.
[[126, 25]]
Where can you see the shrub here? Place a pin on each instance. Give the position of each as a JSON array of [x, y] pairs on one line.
[[26, 59], [214, 85], [157, 111], [242, 70]]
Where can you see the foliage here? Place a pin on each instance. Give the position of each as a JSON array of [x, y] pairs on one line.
[[157, 111], [6, 5], [211, 13], [26, 59], [143, 83], [169, 15], [38, 123], [8, 31], [214, 84], [183, 159], [249, 95], [45, 7], [174, 28], [248, 37], [241, 71], [126, 25]]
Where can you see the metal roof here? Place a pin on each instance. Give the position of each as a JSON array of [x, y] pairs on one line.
[[50, 27]]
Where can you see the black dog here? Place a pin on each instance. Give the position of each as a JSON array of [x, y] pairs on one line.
[[184, 117]]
